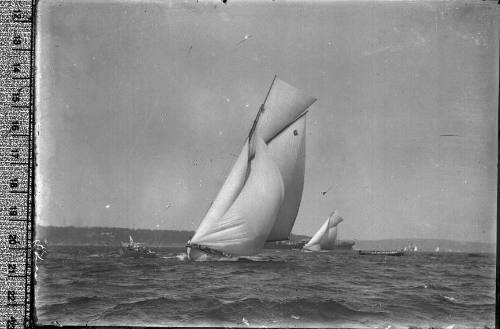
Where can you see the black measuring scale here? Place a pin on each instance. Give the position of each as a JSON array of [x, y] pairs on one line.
[[17, 162]]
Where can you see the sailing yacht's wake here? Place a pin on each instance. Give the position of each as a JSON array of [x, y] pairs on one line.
[[182, 257], [259, 258], [245, 259]]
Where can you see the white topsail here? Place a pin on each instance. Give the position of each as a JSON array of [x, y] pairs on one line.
[[260, 198], [284, 104], [326, 236]]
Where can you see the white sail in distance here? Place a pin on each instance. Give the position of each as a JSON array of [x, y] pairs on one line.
[[325, 237], [330, 240], [244, 227]]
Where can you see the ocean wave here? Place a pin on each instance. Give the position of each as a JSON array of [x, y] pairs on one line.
[[274, 289], [432, 286], [449, 299], [182, 257], [247, 271], [226, 310], [454, 301], [241, 259], [75, 304]]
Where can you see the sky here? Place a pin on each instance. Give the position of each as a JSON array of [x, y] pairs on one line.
[[143, 106]]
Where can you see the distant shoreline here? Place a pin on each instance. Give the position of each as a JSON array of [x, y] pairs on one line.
[[114, 236], [182, 245]]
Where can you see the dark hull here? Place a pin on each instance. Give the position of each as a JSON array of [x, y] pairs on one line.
[[342, 245], [345, 245], [284, 245], [381, 252], [199, 253]]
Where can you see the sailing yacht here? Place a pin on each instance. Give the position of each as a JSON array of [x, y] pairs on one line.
[[135, 249], [326, 237], [261, 195]]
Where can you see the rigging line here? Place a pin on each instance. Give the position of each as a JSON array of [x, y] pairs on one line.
[[281, 131], [288, 125], [255, 122], [261, 109]]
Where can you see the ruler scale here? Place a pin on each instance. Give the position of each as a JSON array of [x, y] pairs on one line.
[[17, 164]]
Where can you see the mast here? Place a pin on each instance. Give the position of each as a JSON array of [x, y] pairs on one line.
[[261, 109], [251, 150]]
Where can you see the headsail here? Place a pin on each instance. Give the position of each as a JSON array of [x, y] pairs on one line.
[[326, 235], [227, 194], [288, 151], [244, 227]]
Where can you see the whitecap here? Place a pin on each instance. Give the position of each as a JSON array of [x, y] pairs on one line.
[[182, 257]]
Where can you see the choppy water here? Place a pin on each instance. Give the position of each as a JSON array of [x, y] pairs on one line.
[[94, 286]]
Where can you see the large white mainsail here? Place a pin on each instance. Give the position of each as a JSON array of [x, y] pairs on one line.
[[326, 236], [282, 125], [240, 220], [288, 151]]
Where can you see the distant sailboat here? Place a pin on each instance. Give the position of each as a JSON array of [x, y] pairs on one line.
[[326, 237], [135, 249], [260, 198], [410, 247]]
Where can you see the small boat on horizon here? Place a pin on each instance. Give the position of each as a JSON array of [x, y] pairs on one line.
[[135, 249], [411, 248], [382, 252]]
